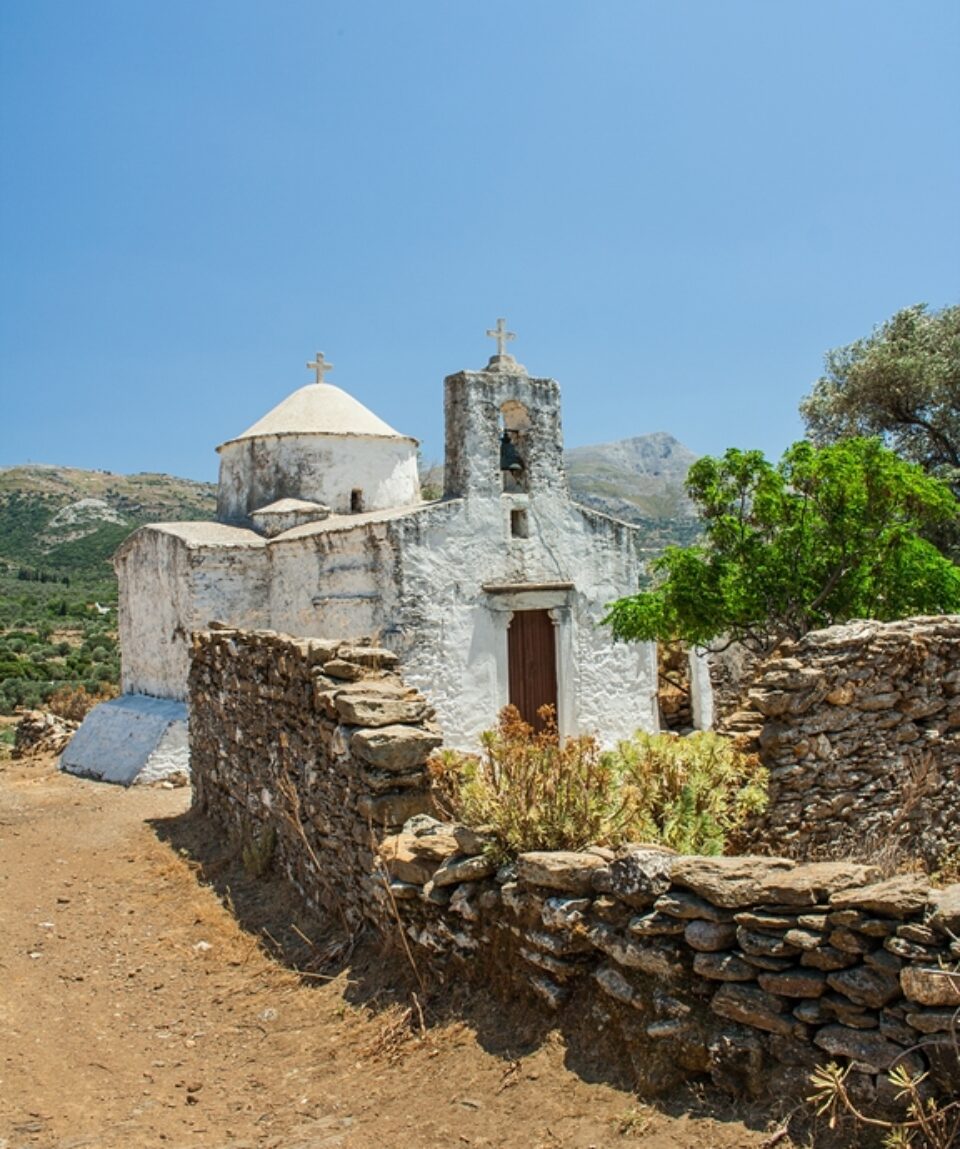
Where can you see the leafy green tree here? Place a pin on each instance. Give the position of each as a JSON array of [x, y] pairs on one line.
[[901, 383], [826, 535]]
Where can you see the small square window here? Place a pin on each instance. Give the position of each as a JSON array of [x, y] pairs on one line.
[[356, 501], [519, 524]]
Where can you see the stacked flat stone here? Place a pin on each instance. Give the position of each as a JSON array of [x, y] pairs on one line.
[[859, 726], [41, 732], [316, 745], [746, 970], [750, 970]]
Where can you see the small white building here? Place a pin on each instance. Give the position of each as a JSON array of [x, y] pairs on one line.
[[492, 594]]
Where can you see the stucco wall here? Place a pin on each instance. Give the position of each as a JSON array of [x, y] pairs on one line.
[[172, 583], [416, 579], [452, 633], [321, 469], [333, 581]]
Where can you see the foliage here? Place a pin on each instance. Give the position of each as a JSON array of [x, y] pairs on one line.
[[76, 702], [826, 535], [52, 637], [691, 792], [902, 383], [537, 792], [929, 1122], [55, 566]]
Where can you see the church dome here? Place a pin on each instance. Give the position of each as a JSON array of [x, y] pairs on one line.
[[320, 409], [321, 446]]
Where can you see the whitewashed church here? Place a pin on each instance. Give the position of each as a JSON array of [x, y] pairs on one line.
[[492, 594]]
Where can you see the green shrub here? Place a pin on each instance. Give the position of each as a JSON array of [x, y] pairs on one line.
[[690, 792], [534, 791], [537, 792]]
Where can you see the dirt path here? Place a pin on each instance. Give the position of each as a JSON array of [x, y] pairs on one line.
[[137, 1010]]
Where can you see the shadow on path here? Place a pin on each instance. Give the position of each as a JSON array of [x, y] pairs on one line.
[[379, 977]]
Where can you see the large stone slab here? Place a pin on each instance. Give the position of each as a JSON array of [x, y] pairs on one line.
[[729, 882], [394, 809], [559, 870], [752, 1006], [866, 986], [896, 897], [456, 870], [930, 986], [638, 875], [378, 708], [404, 862], [946, 908], [131, 739], [869, 1052], [710, 937], [394, 747], [809, 884]]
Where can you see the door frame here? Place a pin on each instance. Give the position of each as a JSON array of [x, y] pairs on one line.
[[506, 599]]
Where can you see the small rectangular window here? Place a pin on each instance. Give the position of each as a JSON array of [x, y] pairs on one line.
[[356, 501], [519, 524]]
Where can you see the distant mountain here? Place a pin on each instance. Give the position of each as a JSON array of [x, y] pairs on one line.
[[639, 480], [67, 521]]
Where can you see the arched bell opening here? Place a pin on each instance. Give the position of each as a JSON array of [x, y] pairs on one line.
[[515, 428]]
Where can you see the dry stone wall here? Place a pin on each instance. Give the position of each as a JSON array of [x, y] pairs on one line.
[[308, 751], [747, 971], [859, 726]]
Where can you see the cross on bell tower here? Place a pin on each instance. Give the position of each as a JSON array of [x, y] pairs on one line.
[[501, 335], [503, 361], [320, 366]]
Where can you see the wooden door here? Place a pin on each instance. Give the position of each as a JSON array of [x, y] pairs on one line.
[[532, 664]]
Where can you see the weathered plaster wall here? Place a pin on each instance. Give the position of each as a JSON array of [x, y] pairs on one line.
[[451, 632], [416, 579], [334, 580], [176, 578], [744, 971], [131, 740], [322, 469], [859, 726], [473, 413]]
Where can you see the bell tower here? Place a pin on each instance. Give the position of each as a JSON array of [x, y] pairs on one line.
[[503, 433]]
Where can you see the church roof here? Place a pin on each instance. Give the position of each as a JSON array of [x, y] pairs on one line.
[[320, 409]]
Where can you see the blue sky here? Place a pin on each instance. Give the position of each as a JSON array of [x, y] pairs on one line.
[[679, 207]]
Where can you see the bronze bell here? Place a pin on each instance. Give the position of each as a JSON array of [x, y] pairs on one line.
[[510, 459]]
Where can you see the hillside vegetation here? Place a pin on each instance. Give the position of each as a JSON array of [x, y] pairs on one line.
[[58, 594]]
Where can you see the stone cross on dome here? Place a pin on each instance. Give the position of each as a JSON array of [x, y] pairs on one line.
[[320, 366]]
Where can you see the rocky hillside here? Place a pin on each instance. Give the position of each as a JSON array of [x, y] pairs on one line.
[[639, 480], [68, 521]]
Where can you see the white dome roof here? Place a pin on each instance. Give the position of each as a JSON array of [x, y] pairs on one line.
[[320, 409]]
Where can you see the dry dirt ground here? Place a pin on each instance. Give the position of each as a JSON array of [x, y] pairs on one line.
[[154, 993]]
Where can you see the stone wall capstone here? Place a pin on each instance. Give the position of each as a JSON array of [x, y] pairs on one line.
[[746, 971], [859, 726]]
